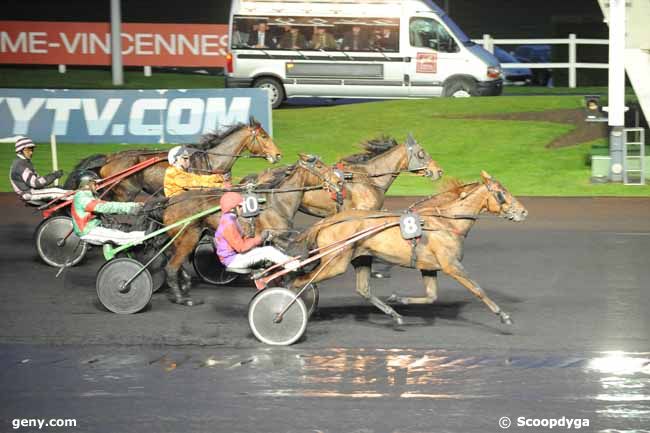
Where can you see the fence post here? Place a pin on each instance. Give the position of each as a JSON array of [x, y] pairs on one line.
[[55, 156], [572, 61], [61, 69], [147, 71], [487, 43]]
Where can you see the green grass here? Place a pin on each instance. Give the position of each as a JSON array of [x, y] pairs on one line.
[[100, 79], [512, 151]]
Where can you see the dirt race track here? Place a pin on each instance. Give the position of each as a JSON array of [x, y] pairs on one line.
[[575, 277], [575, 272]]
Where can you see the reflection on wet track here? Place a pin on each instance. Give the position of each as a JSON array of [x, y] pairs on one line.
[[609, 389]]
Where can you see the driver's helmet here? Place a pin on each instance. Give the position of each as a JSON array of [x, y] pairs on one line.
[[177, 152]]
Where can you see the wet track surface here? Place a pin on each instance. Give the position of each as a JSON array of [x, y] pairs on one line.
[[575, 277]]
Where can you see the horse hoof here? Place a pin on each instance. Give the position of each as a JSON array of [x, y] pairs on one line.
[[505, 318], [192, 302], [396, 299], [399, 322]]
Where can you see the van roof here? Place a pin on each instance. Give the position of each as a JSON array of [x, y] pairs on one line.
[[345, 7]]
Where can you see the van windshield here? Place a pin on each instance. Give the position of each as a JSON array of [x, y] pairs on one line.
[[462, 37], [315, 33]]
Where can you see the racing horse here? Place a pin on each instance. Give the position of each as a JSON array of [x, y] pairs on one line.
[[440, 246], [284, 195], [368, 176], [215, 153]]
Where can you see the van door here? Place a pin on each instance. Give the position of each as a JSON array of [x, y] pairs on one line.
[[435, 55]]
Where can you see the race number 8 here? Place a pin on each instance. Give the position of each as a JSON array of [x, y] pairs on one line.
[[251, 206], [410, 226]]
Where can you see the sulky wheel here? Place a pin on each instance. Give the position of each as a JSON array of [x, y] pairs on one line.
[[57, 244], [156, 268], [117, 297], [208, 267], [263, 313], [310, 297]]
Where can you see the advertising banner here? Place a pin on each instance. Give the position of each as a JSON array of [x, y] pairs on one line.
[[128, 116], [74, 43]]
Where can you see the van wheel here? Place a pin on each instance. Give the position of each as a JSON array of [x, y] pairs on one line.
[[277, 91], [460, 88]]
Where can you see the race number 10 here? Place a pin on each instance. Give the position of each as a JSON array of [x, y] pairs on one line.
[[251, 206]]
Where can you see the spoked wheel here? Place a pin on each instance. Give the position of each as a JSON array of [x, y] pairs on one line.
[[111, 289], [208, 267], [310, 297], [57, 244], [263, 318]]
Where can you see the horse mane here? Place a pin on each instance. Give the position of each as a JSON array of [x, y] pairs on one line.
[[215, 138], [452, 184], [279, 174], [373, 148], [450, 191]]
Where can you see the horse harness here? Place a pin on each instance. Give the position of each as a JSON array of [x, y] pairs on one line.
[[204, 154]]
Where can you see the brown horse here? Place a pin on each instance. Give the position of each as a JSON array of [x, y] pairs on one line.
[[439, 248], [288, 188], [215, 153], [368, 176], [282, 204], [373, 173]]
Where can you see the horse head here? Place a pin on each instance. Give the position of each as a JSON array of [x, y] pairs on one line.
[[419, 161], [322, 173], [261, 143], [500, 201]]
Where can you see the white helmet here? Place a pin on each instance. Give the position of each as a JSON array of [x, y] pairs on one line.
[[176, 152]]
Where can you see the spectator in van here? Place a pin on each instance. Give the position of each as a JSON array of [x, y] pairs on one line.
[[239, 38], [322, 39], [261, 38], [355, 40], [292, 40], [385, 39]]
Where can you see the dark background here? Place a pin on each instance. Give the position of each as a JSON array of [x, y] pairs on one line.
[[501, 19], [504, 19]]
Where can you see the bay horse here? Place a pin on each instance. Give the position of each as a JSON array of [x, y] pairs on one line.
[[440, 246], [368, 176], [283, 195], [372, 174], [215, 153]]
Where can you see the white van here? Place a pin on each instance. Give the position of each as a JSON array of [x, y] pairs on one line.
[[355, 49]]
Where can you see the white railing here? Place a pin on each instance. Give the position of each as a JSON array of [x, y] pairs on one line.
[[572, 41]]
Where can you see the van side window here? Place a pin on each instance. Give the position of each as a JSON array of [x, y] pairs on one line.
[[315, 33], [429, 33]]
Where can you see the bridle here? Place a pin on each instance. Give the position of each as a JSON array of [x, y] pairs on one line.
[[310, 166], [416, 158], [253, 142]]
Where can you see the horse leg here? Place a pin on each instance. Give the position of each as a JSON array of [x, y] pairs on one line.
[[430, 280], [179, 287], [456, 270], [186, 280], [362, 267]]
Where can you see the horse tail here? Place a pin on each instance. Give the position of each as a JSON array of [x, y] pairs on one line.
[[91, 163], [309, 236]]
